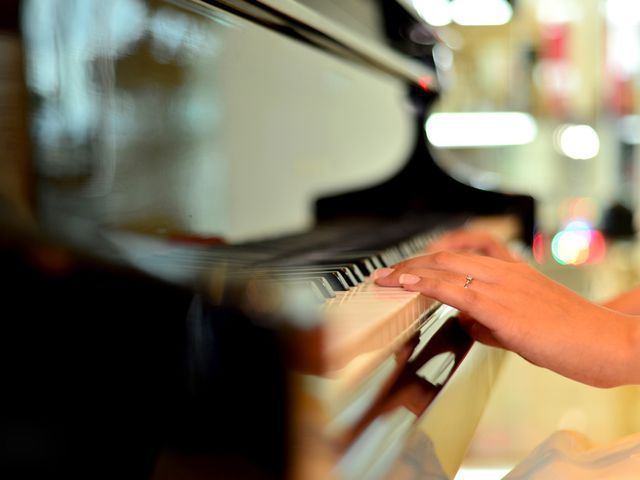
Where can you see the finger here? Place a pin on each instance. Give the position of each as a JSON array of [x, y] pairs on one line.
[[480, 300], [398, 277], [500, 292], [446, 287], [480, 267]]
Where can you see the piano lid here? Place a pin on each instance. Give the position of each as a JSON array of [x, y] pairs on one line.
[[181, 117], [312, 23]]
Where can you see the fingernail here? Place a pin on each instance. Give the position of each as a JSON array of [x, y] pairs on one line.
[[382, 272], [408, 279]]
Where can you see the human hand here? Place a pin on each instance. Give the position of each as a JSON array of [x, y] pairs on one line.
[[520, 309], [472, 241]]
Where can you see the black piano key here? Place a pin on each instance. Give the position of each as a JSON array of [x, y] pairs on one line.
[[351, 277], [348, 276], [355, 272], [359, 262], [335, 279]]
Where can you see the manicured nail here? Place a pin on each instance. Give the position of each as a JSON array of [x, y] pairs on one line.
[[408, 279], [382, 272]]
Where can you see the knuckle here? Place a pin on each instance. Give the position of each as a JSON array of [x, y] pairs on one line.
[[431, 284], [408, 263], [441, 258]]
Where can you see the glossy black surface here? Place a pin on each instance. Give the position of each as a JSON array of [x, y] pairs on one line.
[[109, 373], [423, 187]]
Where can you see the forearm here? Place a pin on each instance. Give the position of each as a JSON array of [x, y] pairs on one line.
[[602, 350], [622, 366], [627, 302]]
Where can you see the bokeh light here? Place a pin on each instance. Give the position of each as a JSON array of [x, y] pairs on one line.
[[580, 142], [578, 243], [538, 249]]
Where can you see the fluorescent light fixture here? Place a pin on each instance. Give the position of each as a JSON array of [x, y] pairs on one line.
[[623, 48], [481, 12], [434, 12], [622, 13], [580, 142], [481, 129], [463, 12]]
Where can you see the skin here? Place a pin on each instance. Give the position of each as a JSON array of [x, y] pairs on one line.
[[511, 305], [627, 302]]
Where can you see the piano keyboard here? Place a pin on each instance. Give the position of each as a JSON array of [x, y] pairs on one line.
[[370, 322], [361, 355], [323, 279], [338, 255]]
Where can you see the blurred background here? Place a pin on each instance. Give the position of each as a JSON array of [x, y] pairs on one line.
[[546, 93]]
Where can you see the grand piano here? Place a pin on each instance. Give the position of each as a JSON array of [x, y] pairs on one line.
[[194, 209]]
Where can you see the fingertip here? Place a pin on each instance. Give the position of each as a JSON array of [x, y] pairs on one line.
[[408, 279], [382, 273]]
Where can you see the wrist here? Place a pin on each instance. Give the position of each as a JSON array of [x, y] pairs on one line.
[[633, 357]]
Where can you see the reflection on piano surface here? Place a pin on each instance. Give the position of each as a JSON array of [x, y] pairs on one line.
[[237, 171]]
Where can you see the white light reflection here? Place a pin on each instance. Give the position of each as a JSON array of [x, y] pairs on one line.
[[480, 129], [434, 12], [580, 142], [463, 12], [176, 37], [62, 38], [481, 12], [168, 30]]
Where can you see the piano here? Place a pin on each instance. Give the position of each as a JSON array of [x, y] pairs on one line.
[[197, 197]]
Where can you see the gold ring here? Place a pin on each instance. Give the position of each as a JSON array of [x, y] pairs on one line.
[[467, 281]]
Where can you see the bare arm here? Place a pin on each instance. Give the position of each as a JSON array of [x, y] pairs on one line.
[[520, 309], [626, 302]]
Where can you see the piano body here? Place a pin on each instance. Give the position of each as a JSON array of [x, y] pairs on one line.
[[212, 184]]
